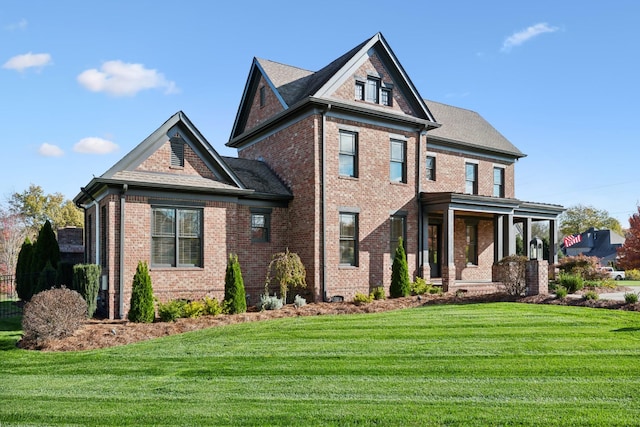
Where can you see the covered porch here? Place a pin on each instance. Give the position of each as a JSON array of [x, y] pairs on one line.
[[464, 235]]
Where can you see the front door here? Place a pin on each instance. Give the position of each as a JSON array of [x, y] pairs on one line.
[[435, 231]]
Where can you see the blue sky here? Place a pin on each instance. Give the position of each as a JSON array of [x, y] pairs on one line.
[[85, 82]]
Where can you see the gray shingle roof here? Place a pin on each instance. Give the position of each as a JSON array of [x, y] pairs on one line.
[[256, 175], [468, 127], [170, 179]]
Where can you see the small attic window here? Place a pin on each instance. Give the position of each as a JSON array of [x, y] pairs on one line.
[[262, 96], [177, 152]]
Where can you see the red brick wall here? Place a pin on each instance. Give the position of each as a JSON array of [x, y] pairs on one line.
[[271, 107], [482, 271], [450, 173], [160, 161]]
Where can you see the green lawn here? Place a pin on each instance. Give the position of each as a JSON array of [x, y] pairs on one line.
[[474, 364]]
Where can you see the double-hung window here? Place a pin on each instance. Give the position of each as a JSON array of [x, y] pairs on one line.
[[260, 225], [471, 248], [398, 225], [348, 157], [176, 237], [348, 238], [498, 182], [398, 164], [471, 178], [431, 168]]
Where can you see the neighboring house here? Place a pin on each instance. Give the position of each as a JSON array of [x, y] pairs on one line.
[[602, 244], [337, 165]]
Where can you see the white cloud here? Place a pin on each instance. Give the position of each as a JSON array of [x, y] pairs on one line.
[[21, 25], [516, 39], [94, 145], [50, 150], [28, 60], [122, 79]]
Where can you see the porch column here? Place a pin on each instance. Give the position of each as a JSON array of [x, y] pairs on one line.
[[553, 242], [526, 238], [448, 259], [424, 261], [509, 240], [498, 248]]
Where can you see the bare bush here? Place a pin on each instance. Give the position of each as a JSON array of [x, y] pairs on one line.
[[510, 271], [53, 314]]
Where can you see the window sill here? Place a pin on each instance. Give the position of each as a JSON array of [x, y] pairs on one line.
[[176, 167], [348, 178], [397, 183], [160, 268], [347, 267]]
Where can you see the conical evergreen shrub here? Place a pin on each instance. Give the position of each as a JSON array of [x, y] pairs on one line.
[[141, 309], [46, 279], [400, 282], [86, 281], [46, 250], [234, 294], [23, 271]]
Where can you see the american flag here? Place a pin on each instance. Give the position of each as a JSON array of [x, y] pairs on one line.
[[572, 240]]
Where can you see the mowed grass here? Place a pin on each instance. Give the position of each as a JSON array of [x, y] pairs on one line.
[[475, 364]]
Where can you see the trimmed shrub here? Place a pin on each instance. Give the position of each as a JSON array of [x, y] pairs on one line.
[[561, 292], [571, 282], [171, 310], [194, 309], [268, 302], [53, 314], [212, 307], [235, 300], [400, 283], [287, 271], [86, 281], [378, 293], [510, 271], [631, 297], [298, 301], [141, 308], [23, 271], [590, 296], [360, 298], [420, 286]]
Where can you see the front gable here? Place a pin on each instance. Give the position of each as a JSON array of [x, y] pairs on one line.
[[175, 149]]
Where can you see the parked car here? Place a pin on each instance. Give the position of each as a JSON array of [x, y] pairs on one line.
[[613, 273]]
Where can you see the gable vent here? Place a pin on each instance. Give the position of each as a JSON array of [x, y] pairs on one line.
[[177, 151]]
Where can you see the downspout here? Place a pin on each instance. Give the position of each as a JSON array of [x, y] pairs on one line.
[[324, 206], [419, 257], [125, 187]]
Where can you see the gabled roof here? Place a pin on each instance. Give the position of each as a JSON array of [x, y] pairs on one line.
[[293, 85], [231, 177], [468, 128]]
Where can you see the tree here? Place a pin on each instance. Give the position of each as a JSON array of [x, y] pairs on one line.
[[86, 281], [36, 208], [23, 271], [234, 295], [12, 235], [141, 308], [629, 253], [46, 250], [287, 270], [579, 218], [400, 282]]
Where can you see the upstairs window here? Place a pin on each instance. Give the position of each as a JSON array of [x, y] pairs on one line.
[[471, 178], [359, 91], [373, 87], [385, 97], [498, 182], [176, 237], [431, 168], [262, 96], [348, 156], [398, 164], [177, 152]]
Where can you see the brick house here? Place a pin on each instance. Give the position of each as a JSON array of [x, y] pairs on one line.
[[336, 165]]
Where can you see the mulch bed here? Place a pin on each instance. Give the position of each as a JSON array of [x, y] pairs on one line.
[[96, 334]]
